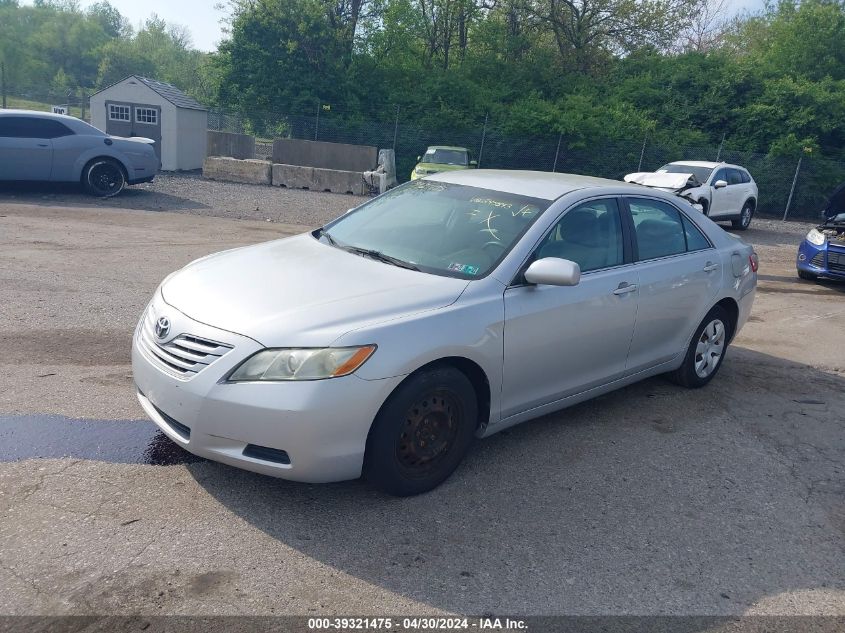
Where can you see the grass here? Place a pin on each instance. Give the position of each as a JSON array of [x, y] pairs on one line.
[[26, 104]]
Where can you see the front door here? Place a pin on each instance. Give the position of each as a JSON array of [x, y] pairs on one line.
[[560, 341]]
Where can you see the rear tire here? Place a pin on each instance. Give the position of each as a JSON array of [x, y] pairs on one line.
[[422, 432], [803, 274], [706, 351], [104, 177], [745, 216]]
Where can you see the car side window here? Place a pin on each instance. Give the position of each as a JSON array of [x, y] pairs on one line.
[[658, 228], [589, 235], [695, 238], [734, 177], [31, 127]]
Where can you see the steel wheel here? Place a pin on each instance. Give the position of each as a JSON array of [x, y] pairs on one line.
[[429, 432], [709, 349], [105, 178]]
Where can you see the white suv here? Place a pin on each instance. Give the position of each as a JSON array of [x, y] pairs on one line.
[[724, 192]]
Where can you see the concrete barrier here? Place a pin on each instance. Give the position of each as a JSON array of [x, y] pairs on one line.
[[316, 179], [229, 144], [324, 155], [256, 172]]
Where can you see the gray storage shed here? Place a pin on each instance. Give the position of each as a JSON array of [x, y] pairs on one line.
[[138, 106]]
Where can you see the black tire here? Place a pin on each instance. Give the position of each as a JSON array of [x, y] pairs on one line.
[[803, 274], [687, 375], [422, 432], [744, 220], [103, 177]]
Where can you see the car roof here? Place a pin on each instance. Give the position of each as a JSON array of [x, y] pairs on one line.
[[37, 114], [460, 149], [535, 184], [704, 163]]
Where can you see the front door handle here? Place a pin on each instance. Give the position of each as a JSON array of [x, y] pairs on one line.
[[710, 267], [624, 288]]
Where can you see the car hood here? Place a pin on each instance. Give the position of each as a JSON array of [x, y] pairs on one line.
[[300, 292]]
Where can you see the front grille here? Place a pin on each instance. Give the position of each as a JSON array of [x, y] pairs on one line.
[[818, 260], [835, 261], [185, 356]]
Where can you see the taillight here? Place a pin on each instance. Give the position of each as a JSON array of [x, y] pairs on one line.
[[755, 263]]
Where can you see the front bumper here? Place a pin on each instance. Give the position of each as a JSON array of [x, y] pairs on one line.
[[322, 425], [824, 261]]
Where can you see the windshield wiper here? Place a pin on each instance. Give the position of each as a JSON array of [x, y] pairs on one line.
[[321, 232], [387, 259]]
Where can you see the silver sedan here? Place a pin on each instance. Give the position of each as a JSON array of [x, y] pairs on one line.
[[38, 146], [447, 309]]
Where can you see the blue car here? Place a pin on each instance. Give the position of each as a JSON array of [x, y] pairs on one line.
[[822, 253]]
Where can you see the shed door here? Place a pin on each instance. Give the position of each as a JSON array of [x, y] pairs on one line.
[[134, 119]]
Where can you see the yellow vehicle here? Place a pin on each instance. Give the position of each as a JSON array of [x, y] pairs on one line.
[[442, 158]]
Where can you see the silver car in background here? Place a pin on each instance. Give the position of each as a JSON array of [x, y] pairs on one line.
[[446, 309], [38, 146]]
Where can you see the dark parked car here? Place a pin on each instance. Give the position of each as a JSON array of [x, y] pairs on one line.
[[38, 146]]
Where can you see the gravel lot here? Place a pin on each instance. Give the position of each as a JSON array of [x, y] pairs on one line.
[[650, 500], [188, 192]]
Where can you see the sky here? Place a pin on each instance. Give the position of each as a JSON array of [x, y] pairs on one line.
[[203, 19]]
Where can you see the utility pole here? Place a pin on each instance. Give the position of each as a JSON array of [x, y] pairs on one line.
[[396, 127], [792, 188], [483, 136], [719, 153], [557, 151]]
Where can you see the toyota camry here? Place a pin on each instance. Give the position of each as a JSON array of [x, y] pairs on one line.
[[444, 310]]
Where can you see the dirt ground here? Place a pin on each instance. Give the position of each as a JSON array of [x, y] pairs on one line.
[[652, 500]]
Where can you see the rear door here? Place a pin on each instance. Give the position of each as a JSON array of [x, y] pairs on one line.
[[26, 151], [679, 278]]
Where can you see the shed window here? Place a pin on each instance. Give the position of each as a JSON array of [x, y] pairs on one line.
[[146, 115], [118, 112]]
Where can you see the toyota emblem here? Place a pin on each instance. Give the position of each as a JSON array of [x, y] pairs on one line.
[[162, 328]]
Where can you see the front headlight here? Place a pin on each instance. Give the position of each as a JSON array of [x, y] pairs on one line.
[[816, 237], [301, 364]]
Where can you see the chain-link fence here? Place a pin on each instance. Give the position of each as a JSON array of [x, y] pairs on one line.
[[795, 185], [785, 185]]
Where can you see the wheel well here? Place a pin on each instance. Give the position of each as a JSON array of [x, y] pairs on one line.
[[112, 159], [477, 377], [730, 306]]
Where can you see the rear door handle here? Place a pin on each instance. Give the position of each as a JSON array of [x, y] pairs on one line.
[[624, 288], [710, 267]]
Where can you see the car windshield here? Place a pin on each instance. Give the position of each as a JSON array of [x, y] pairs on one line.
[[445, 156], [440, 228], [701, 173]]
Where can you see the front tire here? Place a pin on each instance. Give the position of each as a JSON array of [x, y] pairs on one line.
[[422, 432], [745, 216], [706, 351], [103, 178]]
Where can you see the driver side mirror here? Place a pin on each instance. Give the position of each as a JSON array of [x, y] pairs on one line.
[[552, 271], [719, 184]]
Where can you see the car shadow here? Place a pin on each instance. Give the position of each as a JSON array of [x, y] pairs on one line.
[[134, 197], [649, 500]]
